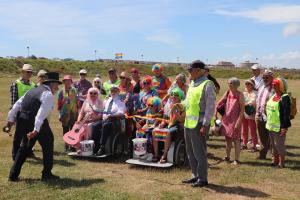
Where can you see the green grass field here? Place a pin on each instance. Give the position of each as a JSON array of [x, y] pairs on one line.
[[113, 179]]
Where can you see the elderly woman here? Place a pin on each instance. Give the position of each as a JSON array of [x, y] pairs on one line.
[[90, 112], [147, 92], [233, 118], [278, 120], [175, 118], [67, 105], [97, 83], [249, 115]]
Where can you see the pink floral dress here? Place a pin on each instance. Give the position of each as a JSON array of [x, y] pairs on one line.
[[231, 116]]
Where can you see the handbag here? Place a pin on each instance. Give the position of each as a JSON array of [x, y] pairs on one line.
[[221, 107], [249, 109]]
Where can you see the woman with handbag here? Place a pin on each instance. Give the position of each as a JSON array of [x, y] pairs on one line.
[[232, 105], [249, 115]]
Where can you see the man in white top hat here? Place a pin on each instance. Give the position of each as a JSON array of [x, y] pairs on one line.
[[256, 68]]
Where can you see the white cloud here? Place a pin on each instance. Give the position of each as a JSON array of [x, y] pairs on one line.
[[286, 59], [165, 36], [275, 13], [291, 29]]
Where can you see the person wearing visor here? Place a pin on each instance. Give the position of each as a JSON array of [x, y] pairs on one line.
[[113, 81], [278, 120], [160, 82], [199, 107], [82, 86]]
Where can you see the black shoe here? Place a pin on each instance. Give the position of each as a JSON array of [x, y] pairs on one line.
[[14, 179], [32, 156], [199, 183], [191, 180], [50, 177], [101, 151]]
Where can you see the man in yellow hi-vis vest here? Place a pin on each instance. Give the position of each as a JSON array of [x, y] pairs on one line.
[[199, 105], [18, 89]]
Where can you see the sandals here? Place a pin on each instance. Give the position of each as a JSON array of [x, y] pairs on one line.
[[163, 160]]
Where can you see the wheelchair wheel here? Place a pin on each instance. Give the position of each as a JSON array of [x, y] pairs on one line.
[[180, 157]]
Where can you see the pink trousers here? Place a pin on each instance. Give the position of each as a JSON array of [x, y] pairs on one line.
[[249, 123]]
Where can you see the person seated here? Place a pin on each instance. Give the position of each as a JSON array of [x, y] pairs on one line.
[[174, 123], [114, 108], [88, 113], [153, 115]]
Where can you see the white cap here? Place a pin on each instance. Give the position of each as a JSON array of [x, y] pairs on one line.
[[27, 67], [256, 66], [83, 71], [41, 73]]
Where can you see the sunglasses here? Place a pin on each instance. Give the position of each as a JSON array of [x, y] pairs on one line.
[[93, 93], [122, 77], [42, 76], [265, 78], [29, 72], [82, 74], [146, 83], [96, 82]]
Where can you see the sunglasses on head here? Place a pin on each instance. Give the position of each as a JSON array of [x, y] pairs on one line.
[[93, 93]]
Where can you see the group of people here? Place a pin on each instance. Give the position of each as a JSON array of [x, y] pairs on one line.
[[187, 106]]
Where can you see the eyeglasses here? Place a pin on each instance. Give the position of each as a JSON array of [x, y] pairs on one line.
[[93, 93], [122, 77]]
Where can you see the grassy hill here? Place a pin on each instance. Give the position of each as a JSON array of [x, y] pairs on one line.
[[12, 67]]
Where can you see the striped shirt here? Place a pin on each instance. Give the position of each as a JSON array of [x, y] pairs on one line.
[[263, 95]]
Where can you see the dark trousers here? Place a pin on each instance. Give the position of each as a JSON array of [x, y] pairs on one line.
[[46, 140], [107, 128], [264, 138], [96, 129]]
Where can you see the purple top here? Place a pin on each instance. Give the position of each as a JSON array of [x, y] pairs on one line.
[[82, 86]]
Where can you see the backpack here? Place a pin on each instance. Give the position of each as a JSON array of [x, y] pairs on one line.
[[293, 106]]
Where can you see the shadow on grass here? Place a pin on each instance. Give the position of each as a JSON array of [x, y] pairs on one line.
[[290, 154], [216, 146], [236, 190], [65, 183], [289, 164], [64, 163], [292, 147]]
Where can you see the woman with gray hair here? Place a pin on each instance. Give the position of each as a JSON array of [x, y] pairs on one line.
[[232, 118]]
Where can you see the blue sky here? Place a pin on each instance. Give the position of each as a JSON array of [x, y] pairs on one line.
[[161, 30]]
